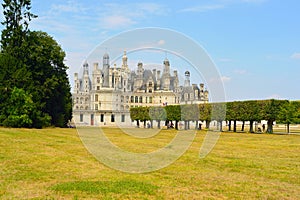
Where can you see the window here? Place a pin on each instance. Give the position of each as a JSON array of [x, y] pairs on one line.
[[150, 84], [102, 118], [141, 100], [112, 118], [81, 117], [150, 91], [131, 99], [96, 97], [122, 118], [98, 79], [96, 106], [136, 99], [150, 99], [98, 87], [146, 99]]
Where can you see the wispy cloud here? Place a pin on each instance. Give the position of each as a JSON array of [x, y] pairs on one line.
[[274, 96], [295, 56], [225, 79], [70, 7], [116, 22], [221, 79], [119, 16], [240, 71], [225, 60], [203, 8], [219, 4]]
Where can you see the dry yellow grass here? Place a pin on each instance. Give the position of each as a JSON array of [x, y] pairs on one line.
[[53, 164]]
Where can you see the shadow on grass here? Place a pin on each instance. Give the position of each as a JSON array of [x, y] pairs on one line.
[[105, 187]]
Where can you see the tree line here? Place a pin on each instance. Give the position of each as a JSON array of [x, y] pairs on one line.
[[281, 111], [34, 86]]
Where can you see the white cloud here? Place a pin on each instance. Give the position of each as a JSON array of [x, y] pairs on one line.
[[225, 79], [218, 80], [240, 71], [203, 8], [225, 60], [295, 56], [274, 96], [69, 6], [220, 4], [161, 42], [117, 22]]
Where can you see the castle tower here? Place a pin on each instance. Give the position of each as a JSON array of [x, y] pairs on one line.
[[187, 79], [96, 77], [86, 78], [124, 61], [77, 83], [140, 72], [166, 75], [106, 70]]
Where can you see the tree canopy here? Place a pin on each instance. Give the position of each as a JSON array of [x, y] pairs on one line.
[[31, 64]]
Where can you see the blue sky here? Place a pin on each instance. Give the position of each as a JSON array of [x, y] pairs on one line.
[[255, 44]]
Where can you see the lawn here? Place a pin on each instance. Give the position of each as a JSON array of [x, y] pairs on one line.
[[54, 164]]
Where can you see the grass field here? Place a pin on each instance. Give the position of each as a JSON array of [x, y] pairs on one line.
[[53, 164]]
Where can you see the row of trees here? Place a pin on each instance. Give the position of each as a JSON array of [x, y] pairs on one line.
[[272, 110], [34, 86]]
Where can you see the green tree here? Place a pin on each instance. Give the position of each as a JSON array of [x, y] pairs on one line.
[[50, 83], [157, 113], [189, 112], [205, 113], [134, 115], [288, 114], [252, 113], [271, 109], [219, 113], [174, 114], [33, 61]]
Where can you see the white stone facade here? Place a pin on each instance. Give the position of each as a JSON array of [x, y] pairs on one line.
[[105, 98]]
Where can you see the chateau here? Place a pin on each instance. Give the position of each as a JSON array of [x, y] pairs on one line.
[[105, 97]]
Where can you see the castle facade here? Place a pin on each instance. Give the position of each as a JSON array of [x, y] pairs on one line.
[[105, 97]]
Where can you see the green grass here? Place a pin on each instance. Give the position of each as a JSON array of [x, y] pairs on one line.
[[53, 164]]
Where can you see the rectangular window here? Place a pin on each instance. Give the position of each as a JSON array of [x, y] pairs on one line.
[[96, 106], [81, 117], [150, 99], [122, 118], [102, 118], [112, 118]]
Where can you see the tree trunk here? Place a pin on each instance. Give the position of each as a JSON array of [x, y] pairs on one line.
[[158, 124], [188, 123], [234, 126], [251, 127], [243, 126], [151, 123], [221, 128], [176, 125], [138, 123], [229, 125], [144, 123], [288, 128], [207, 122], [270, 126], [196, 125]]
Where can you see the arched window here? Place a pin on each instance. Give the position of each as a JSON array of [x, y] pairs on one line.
[[141, 99], [136, 100], [132, 99]]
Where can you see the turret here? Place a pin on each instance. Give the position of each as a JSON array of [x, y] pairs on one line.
[[187, 79], [106, 70]]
